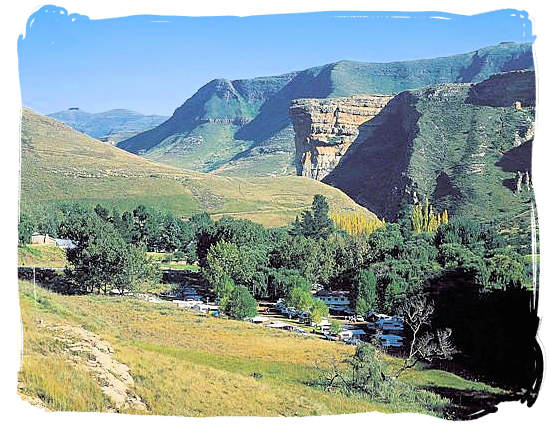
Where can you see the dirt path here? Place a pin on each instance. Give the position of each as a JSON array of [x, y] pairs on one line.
[[114, 378]]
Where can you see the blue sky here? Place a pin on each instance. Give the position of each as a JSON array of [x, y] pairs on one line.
[[152, 64]]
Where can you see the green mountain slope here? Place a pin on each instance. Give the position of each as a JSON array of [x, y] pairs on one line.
[[242, 127], [111, 126], [461, 145], [60, 164]]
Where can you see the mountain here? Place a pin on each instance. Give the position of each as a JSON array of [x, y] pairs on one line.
[[111, 126], [60, 164], [464, 146], [242, 127]]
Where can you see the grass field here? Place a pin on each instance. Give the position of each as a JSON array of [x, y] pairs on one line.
[[59, 164], [41, 256], [185, 364]]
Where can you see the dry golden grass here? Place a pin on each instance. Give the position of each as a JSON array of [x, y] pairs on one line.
[[186, 364]]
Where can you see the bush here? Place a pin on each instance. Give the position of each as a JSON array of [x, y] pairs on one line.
[[240, 304]]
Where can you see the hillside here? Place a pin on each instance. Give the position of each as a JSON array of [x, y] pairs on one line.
[[111, 126], [461, 145], [122, 354], [242, 127], [59, 164]]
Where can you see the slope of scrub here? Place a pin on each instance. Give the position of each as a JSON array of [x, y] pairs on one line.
[[60, 164]]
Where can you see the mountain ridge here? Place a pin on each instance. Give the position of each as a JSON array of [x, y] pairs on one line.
[[226, 126], [111, 125]]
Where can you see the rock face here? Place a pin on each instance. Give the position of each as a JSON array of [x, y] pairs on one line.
[[325, 129], [461, 145]]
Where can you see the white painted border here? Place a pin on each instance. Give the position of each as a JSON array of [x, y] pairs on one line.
[[14, 18]]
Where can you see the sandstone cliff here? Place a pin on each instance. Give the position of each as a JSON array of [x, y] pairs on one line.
[[325, 129]]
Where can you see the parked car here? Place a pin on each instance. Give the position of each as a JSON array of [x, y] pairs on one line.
[[331, 337]]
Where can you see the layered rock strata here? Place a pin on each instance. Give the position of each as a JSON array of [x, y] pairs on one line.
[[326, 128]]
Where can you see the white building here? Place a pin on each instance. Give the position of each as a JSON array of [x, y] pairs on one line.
[[336, 300]]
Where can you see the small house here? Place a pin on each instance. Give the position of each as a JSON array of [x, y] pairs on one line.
[[37, 238], [337, 300], [66, 244]]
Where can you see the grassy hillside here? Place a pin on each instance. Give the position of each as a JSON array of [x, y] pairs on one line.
[[111, 126], [461, 145], [41, 256], [59, 164], [228, 126], [171, 362]]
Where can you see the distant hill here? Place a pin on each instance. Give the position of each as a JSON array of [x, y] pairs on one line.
[[242, 127], [111, 126], [460, 145], [60, 164]]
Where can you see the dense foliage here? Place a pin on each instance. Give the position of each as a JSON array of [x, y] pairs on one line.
[[381, 269]]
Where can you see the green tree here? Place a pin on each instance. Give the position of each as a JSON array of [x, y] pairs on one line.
[[364, 291], [385, 242], [315, 223], [25, 229], [281, 281], [299, 299], [240, 303], [137, 271], [147, 227], [335, 327], [505, 272], [318, 310], [245, 266]]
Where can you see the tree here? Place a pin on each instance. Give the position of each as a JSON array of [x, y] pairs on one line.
[[25, 229], [505, 272], [315, 223], [136, 272], [240, 303], [147, 227], [318, 311], [102, 260], [299, 299], [424, 345], [424, 219], [335, 327], [364, 373], [244, 265], [364, 295], [97, 260], [282, 280], [221, 260], [384, 242], [126, 227], [356, 223]]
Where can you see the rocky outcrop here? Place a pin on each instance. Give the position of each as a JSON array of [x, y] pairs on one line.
[[460, 145], [325, 129]]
